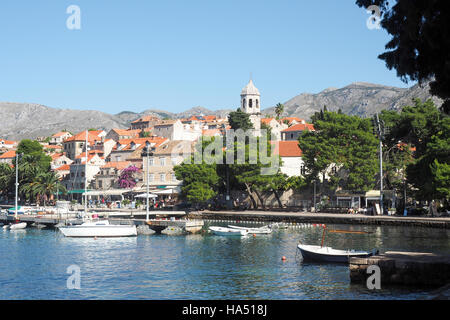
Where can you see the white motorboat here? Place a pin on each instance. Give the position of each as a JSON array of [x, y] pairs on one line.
[[100, 229], [222, 231], [261, 230], [18, 226]]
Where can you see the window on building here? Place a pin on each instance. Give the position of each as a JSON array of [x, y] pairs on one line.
[[174, 178], [151, 177], [174, 161], [162, 161], [292, 136], [250, 103], [100, 183], [162, 177]]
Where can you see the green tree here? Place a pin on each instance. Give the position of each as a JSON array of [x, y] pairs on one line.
[[418, 49], [343, 142], [44, 186], [239, 120]]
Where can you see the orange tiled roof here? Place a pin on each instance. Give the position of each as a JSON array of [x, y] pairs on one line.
[[127, 132], [141, 141], [289, 149], [8, 154], [119, 165], [92, 136], [300, 127], [209, 118], [8, 141], [266, 120], [64, 167], [56, 155], [290, 119]]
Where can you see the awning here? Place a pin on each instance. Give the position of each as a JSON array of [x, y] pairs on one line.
[[372, 194], [112, 192], [144, 195], [77, 191]]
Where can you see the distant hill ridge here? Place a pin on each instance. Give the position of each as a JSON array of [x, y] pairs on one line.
[[27, 120]]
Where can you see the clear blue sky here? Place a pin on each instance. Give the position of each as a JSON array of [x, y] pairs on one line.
[[174, 55]]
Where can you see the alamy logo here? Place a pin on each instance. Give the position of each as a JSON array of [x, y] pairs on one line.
[[373, 22], [74, 281], [374, 281], [73, 22]]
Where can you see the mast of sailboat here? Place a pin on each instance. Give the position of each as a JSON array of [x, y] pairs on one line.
[[17, 184], [85, 175]]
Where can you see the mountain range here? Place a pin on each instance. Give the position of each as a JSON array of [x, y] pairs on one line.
[[27, 120]]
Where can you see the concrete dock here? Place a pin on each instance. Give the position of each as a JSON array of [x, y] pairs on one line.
[[157, 223], [404, 268], [327, 218]]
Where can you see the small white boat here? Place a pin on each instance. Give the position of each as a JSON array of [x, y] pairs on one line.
[[277, 225], [328, 254], [222, 231], [18, 226], [261, 230], [100, 229]]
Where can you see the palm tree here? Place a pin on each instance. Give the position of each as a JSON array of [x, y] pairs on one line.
[[279, 109], [44, 186]]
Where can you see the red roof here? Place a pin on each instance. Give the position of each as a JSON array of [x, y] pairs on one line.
[[127, 132], [119, 165], [209, 118], [64, 167], [289, 149], [92, 136], [8, 141], [266, 120], [8, 154], [141, 141], [300, 127]]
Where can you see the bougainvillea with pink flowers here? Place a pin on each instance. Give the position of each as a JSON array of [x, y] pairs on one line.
[[127, 179]]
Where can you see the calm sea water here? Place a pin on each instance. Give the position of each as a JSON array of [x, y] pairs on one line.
[[33, 265]]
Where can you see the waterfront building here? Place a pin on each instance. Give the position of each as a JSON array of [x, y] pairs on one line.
[[76, 178], [291, 157], [108, 176], [162, 160]]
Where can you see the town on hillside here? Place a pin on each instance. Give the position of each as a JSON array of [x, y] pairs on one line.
[[116, 166]]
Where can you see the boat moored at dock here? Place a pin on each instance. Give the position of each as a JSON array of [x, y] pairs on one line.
[[101, 228], [328, 254], [222, 231]]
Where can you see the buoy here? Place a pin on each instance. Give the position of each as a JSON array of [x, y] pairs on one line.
[[283, 258]]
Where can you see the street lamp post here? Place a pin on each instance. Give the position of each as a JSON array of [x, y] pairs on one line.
[[146, 153]]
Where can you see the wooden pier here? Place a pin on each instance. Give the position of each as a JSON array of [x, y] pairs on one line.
[[404, 268]]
